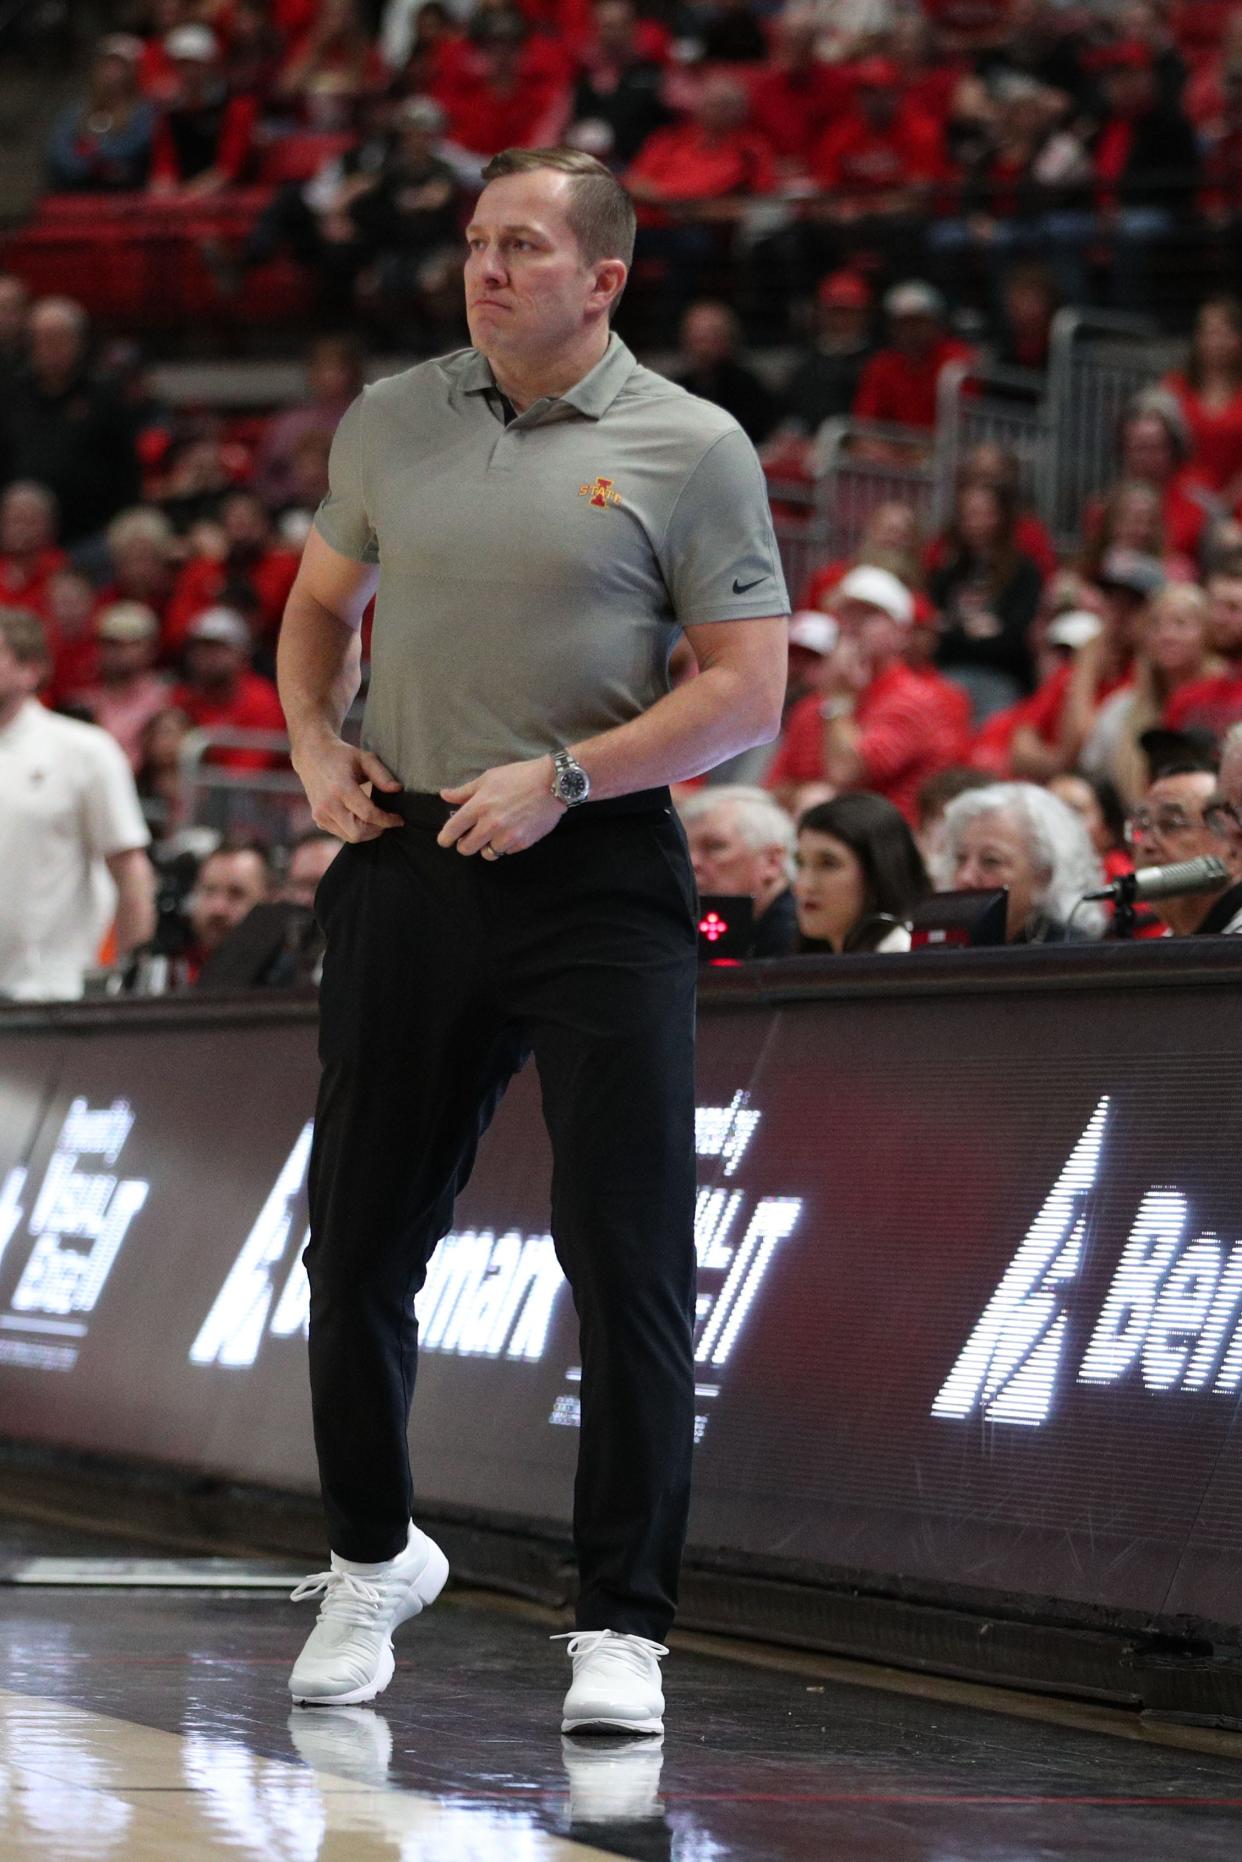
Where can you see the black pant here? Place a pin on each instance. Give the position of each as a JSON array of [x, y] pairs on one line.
[[443, 972]]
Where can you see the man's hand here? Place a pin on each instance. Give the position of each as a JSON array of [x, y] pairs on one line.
[[502, 811], [333, 773]]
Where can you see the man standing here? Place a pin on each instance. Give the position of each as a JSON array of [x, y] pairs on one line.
[[538, 516], [71, 830]]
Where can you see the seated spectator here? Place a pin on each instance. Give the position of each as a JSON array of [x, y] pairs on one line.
[[988, 592], [1056, 720], [307, 487], [103, 144], [129, 692], [1224, 812], [204, 137], [72, 838], [899, 383], [310, 857], [332, 68], [1029, 301], [1016, 835], [14, 327], [620, 84], [410, 218], [67, 428], [29, 556], [858, 876], [1153, 447], [876, 166], [70, 604], [874, 721], [1130, 517], [741, 843], [1099, 807], [825, 380], [230, 883], [712, 158], [1172, 652], [933, 798], [161, 787], [1170, 824], [254, 564], [890, 540], [142, 553], [508, 90], [1209, 393], [1147, 168], [990, 463], [794, 102], [1215, 704], [220, 692], [709, 365], [253, 49]]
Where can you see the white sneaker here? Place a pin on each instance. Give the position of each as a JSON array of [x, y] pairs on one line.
[[616, 1684], [348, 1654]]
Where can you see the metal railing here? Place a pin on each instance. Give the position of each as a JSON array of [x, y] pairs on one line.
[[1006, 407]]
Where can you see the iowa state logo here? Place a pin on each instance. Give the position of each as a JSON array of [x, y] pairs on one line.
[[601, 492]]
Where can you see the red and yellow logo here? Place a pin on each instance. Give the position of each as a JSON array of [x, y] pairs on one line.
[[602, 492]]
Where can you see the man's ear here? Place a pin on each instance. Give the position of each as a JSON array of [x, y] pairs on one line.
[[610, 277]]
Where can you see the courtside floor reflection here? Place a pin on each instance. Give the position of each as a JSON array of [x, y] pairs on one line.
[[137, 1725]]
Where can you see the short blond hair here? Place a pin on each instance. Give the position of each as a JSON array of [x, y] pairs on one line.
[[599, 210], [24, 634]]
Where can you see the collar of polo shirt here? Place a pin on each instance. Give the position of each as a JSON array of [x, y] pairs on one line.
[[592, 396]]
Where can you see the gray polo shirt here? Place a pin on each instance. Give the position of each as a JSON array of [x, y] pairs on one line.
[[534, 577]]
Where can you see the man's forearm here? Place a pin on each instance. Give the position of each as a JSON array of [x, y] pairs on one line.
[[688, 731], [134, 923], [318, 662]]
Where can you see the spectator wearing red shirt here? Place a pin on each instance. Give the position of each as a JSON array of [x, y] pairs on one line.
[[1153, 447], [70, 606], [143, 556], [204, 137], [876, 167], [221, 692], [1215, 704], [128, 692], [875, 723], [692, 183], [899, 384], [253, 563], [798, 97], [509, 89], [29, 556], [990, 463], [333, 68], [1209, 393]]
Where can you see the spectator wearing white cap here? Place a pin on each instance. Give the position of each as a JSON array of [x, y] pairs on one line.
[[128, 691], [204, 137], [102, 144], [72, 837], [812, 637], [899, 383], [222, 692], [875, 723], [741, 844]]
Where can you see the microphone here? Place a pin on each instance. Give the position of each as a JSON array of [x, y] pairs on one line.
[[1206, 874]]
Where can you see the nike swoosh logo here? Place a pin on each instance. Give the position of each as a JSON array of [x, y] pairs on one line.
[[741, 588]]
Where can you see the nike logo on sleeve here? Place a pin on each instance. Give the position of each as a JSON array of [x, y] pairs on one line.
[[741, 588]]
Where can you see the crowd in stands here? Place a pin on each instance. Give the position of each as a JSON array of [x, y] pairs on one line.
[[970, 702]]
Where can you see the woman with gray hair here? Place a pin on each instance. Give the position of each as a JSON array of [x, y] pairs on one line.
[[1017, 835]]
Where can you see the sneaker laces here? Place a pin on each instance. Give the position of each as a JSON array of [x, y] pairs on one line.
[[629, 1650], [346, 1596]]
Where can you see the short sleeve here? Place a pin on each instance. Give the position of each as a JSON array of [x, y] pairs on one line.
[[111, 810], [342, 519], [719, 556]]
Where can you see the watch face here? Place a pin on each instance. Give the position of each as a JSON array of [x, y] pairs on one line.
[[573, 785]]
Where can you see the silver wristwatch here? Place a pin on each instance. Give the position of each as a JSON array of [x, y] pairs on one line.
[[571, 785]]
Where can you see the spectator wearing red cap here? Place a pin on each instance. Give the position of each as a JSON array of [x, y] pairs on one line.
[[825, 380], [797, 99], [876, 167], [899, 383], [204, 137], [220, 692], [870, 726], [1147, 168]]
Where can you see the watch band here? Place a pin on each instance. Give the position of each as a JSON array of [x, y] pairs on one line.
[[571, 784]]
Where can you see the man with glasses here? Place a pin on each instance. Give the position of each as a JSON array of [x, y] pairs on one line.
[[1180, 818], [1223, 813]]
